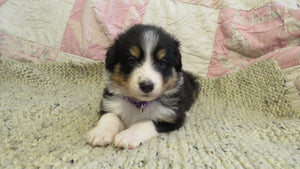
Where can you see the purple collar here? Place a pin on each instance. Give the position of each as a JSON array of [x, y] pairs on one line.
[[139, 105]]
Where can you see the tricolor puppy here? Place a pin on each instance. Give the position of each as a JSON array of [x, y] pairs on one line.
[[146, 93]]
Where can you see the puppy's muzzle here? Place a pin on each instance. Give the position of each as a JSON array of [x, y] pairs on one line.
[[146, 86]]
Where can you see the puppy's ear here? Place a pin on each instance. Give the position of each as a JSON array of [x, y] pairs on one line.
[[111, 58], [178, 64]]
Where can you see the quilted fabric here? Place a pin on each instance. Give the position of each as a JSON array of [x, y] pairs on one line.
[[39, 21]]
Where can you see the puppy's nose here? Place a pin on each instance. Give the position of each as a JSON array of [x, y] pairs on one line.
[[146, 86]]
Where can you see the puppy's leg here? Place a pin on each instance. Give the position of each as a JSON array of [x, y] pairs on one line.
[[135, 135], [107, 128]]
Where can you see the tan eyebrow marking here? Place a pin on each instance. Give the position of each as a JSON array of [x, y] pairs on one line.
[[161, 54], [119, 78], [135, 51]]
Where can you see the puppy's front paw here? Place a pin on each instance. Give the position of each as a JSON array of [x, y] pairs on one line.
[[128, 139], [135, 135], [100, 137], [107, 128]]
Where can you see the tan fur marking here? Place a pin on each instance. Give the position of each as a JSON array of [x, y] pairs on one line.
[[171, 83], [118, 78], [161, 54], [135, 51]]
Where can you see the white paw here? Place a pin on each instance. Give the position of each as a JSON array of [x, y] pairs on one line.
[[107, 128], [100, 137], [128, 139], [135, 135]]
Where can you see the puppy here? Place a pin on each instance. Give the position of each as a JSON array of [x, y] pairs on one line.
[[146, 93]]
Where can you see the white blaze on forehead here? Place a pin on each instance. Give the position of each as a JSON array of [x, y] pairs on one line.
[[149, 41]]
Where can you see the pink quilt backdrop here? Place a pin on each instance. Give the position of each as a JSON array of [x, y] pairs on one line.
[[90, 37], [246, 37], [2, 2], [24, 50], [242, 37]]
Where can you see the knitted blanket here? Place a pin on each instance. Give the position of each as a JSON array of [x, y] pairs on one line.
[[243, 120]]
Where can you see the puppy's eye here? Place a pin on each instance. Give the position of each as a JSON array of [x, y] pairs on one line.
[[163, 63], [131, 61]]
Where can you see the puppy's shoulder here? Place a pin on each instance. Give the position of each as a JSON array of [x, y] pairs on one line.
[[190, 89]]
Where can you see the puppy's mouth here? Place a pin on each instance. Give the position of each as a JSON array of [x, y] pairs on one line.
[[145, 97]]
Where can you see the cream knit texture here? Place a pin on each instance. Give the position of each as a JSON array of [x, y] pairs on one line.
[[244, 120]]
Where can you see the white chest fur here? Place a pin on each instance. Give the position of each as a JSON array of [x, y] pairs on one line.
[[130, 114]]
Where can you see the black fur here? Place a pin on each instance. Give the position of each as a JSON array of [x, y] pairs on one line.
[[187, 95]]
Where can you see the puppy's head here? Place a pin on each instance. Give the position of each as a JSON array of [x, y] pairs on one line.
[[144, 62]]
